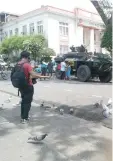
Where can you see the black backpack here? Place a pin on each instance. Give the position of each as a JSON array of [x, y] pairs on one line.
[[18, 77]]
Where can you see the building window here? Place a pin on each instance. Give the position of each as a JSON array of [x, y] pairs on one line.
[[40, 27], [16, 31], [31, 26], [24, 30], [10, 32], [63, 49], [63, 27]]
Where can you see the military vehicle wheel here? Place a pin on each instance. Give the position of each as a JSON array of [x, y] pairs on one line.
[[106, 78], [83, 73]]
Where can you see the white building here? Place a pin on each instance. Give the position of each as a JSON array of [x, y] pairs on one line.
[[61, 28]]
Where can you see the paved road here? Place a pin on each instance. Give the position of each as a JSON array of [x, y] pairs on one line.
[[69, 139], [65, 92]]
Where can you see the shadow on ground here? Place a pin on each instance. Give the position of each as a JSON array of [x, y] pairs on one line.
[[70, 138], [88, 112]]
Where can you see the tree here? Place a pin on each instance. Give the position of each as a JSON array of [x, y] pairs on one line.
[[5, 47], [107, 38], [47, 52], [12, 44], [35, 44]]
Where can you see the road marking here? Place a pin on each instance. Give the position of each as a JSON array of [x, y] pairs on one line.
[[96, 96]]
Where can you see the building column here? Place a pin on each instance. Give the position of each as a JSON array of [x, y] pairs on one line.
[[79, 36], [92, 40]]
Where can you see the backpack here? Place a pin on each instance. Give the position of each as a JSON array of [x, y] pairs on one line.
[[18, 77], [59, 66]]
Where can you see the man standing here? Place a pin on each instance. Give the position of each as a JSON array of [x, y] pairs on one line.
[[50, 68], [43, 69], [63, 70], [27, 91]]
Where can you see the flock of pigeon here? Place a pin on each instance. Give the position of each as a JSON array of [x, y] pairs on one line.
[[106, 111], [61, 110]]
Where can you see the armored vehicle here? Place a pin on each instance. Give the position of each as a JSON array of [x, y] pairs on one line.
[[85, 66]]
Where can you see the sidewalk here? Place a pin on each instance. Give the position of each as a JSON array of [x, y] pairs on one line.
[[69, 138]]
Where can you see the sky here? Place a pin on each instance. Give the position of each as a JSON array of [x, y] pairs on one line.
[[23, 6]]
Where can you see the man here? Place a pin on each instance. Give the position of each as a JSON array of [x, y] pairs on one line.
[[43, 69], [50, 68], [63, 70], [28, 91]]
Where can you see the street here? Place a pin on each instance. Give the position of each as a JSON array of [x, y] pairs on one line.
[[56, 54], [66, 134], [71, 93]]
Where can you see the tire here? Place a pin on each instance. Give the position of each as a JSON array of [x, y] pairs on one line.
[[58, 74], [107, 77], [83, 73]]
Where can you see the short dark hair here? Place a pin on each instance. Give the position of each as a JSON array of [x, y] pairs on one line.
[[25, 54]]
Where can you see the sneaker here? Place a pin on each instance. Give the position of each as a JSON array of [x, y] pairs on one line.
[[24, 121], [18, 104], [29, 117]]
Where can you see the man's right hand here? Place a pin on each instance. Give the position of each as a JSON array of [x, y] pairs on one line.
[[35, 75], [46, 77]]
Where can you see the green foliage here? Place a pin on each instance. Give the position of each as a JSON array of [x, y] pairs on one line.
[[12, 44], [5, 47], [35, 44], [47, 52], [107, 38]]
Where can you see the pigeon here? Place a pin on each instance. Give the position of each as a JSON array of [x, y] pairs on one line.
[[109, 102], [47, 107], [54, 106], [104, 106], [37, 138], [17, 104], [105, 114], [106, 111], [97, 105], [1, 107], [71, 111], [9, 99], [42, 104], [61, 111]]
